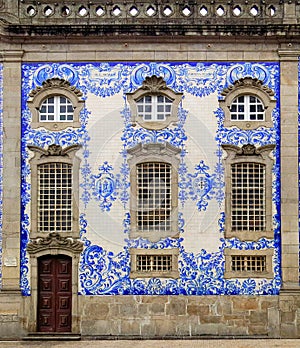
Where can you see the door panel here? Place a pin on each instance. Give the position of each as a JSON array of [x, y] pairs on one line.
[[54, 294]]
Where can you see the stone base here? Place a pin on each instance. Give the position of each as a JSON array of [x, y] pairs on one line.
[[141, 317]]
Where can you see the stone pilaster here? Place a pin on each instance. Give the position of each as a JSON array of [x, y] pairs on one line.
[[11, 170], [289, 169]]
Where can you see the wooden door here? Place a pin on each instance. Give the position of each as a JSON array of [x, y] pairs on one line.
[[54, 293]]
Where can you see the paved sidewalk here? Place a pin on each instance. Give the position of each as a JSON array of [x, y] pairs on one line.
[[205, 343]]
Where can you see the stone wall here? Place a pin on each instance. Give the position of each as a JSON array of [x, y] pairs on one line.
[[180, 316]]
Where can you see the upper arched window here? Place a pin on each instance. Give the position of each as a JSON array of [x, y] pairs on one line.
[[56, 108], [154, 105], [248, 104], [247, 108], [56, 105]]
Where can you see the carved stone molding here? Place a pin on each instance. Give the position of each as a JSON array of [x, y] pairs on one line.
[[55, 83], [54, 150], [55, 241], [248, 150], [247, 82]]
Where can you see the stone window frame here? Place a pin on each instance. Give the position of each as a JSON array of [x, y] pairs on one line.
[[174, 273], [154, 152], [249, 154], [54, 154], [248, 86], [268, 253], [52, 88], [154, 86]]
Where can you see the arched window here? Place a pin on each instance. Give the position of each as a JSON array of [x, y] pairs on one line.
[[54, 190], [56, 108], [56, 105], [247, 108], [248, 104], [154, 105]]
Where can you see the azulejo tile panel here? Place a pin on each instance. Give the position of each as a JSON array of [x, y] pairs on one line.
[[106, 133]]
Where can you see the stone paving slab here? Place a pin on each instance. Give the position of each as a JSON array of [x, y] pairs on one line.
[[205, 343]]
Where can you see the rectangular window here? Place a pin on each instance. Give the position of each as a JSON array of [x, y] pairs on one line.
[[248, 206], [154, 196], [248, 263], [251, 263], [154, 263], [55, 197]]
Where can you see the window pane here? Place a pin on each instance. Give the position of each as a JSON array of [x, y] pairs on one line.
[[57, 108], [247, 108]]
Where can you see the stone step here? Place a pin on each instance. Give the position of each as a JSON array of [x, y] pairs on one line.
[[51, 336]]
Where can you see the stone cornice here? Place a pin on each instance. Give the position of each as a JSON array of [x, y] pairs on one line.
[[281, 32]]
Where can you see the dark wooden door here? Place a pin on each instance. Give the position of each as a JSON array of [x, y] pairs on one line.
[[54, 293]]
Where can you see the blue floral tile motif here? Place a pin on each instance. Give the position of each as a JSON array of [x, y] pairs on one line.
[[105, 272], [201, 185], [105, 186], [1, 165]]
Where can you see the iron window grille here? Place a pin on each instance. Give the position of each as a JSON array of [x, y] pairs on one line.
[[154, 196], [248, 206], [250, 263], [154, 263], [55, 197]]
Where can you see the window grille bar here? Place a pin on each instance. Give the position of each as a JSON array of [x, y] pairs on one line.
[[154, 263], [250, 263], [154, 196], [55, 197], [248, 206]]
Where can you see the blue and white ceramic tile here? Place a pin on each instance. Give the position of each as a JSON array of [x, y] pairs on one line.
[[104, 189]]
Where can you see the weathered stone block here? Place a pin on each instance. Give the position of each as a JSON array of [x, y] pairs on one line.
[[130, 327], [197, 310], [245, 303], [258, 317], [176, 306]]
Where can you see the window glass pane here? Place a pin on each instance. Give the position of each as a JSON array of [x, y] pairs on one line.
[[57, 108], [247, 108]]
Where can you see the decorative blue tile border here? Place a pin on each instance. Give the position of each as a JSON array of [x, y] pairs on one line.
[[105, 272]]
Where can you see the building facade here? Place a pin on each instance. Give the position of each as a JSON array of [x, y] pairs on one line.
[[149, 169]]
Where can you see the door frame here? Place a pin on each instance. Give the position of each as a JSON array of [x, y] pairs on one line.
[[52, 245]]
